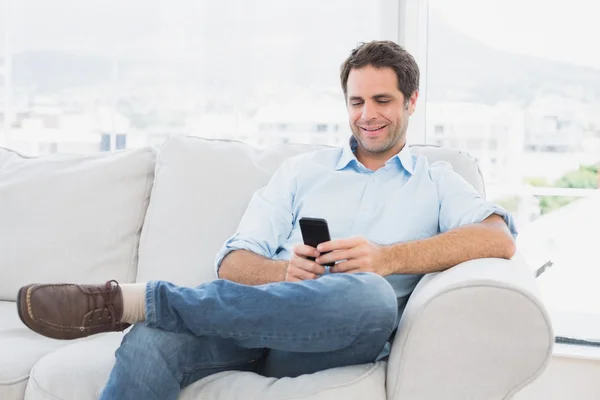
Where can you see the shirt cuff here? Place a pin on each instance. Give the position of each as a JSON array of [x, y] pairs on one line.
[[494, 209]]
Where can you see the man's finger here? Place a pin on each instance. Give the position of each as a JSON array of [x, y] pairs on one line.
[[302, 273], [311, 266], [335, 256], [340, 244], [304, 250], [345, 266]]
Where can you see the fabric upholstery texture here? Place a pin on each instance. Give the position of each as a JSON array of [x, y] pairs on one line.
[[71, 217], [86, 365], [20, 350]]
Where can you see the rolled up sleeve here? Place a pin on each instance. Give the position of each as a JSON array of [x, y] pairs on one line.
[[268, 218], [460, 203]]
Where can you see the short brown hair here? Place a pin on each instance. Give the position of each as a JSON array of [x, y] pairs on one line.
[[382, 54]]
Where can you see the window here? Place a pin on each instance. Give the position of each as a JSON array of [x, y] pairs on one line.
[[529, 115], [321, 127], [493, 144], [474, 144], [96, 76]]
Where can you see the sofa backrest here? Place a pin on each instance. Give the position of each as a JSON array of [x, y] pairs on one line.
[[201, 190], [71, 218]]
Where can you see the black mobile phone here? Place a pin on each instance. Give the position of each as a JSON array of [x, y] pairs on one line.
[[314, 232]]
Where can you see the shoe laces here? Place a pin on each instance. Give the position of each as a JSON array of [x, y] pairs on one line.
[[109, 302]]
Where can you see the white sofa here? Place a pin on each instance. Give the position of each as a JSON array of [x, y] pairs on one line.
[[477, 331]]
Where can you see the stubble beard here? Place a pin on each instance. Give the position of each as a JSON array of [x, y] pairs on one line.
[[390, 141]]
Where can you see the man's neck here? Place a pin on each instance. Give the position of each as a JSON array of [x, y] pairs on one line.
[[374, 161]]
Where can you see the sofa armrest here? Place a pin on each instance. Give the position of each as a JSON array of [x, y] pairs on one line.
[[475, 331]]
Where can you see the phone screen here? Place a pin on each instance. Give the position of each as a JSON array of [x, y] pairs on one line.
[[314, 232]]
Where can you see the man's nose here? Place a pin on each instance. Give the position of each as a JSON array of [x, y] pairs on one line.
[[368, 112]]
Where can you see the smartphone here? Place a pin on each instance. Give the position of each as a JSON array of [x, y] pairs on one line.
[[314, 232]]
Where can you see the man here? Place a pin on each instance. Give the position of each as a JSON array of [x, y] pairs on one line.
[[393, 218]]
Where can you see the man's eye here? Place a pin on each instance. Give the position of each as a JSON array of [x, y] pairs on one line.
[[383, 101], [356, 104]]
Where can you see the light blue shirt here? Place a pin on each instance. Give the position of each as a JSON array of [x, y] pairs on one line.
[[407, 199]]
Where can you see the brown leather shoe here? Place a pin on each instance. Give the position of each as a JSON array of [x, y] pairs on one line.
[[70, 311]]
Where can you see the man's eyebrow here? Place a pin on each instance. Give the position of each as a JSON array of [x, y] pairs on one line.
[[375, 97], [381, 96]]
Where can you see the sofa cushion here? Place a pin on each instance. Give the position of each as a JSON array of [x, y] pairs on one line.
[[201, 190], [462, 163], [80, 371], [21, 349], [71, 217], [357, 382]]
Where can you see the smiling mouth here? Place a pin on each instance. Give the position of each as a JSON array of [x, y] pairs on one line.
[[371, 131]]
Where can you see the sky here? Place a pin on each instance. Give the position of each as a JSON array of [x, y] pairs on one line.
[[555, 29]]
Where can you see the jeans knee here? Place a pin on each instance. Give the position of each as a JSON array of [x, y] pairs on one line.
[[145, 343], [376, 298]]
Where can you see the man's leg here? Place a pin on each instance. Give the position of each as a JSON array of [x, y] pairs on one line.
[[154, 364], [314, 316], [280, 363], [367, 348], [317, 316], [320, 315]]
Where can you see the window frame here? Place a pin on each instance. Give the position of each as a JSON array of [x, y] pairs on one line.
[[411, 33]]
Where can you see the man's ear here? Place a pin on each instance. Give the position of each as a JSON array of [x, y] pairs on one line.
[[411, 104]]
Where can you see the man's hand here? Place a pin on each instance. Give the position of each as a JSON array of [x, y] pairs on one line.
[[300, 268], [356, 255]]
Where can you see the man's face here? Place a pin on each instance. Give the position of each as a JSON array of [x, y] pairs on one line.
[[377, 110]]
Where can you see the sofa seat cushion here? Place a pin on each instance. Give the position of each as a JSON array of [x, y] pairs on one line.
[[80, 371], [21, 349], [71, 217]]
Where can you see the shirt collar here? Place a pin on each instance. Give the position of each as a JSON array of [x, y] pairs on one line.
[[347, 156]]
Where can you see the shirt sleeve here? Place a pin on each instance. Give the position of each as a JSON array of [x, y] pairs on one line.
[[268, 219], [460, 203]]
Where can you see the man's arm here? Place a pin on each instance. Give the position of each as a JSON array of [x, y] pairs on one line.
[[248, 268], [469, 228], [490, 238]]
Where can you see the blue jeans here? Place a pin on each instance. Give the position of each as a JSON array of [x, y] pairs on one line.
[[279, 329]]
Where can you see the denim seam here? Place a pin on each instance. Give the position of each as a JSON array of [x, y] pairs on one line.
[[280, 336], [151, 303], [228, 365], [288, 337]]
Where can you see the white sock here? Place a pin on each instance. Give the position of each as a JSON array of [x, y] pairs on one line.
[[134, 302]]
